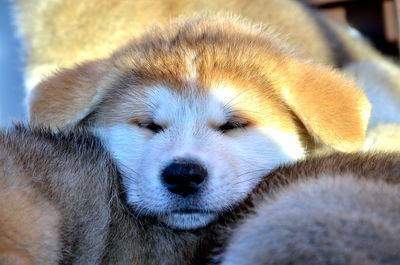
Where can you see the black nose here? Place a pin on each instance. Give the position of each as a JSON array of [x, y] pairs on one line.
[[184, 177]]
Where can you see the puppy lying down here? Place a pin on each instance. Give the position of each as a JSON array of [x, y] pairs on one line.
[[197, 111], [61, 203]]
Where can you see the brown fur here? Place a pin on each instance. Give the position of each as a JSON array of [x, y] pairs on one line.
[[66, 204], [62, 33], [338, 209], [61, 204], [223, 50], [59, 34], [26, 218], [51, 188]]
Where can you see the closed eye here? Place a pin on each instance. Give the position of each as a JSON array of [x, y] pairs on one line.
[[232, 125], [152, 126]]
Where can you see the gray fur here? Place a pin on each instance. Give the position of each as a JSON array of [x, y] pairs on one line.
[[341, 209]]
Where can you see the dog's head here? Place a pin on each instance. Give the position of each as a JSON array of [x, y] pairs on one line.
[[198, 112]]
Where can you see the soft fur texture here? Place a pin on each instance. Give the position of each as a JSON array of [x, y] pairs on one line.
[[339, 209], [60, 34], [55, 193], [381, 83], [60, 203], [190, 78], [327, 221]]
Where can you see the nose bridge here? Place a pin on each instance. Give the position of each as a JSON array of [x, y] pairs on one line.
[[190, 127], [190, 140], [191, 123]]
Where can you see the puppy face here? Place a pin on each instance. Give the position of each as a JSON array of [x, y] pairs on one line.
[[198, 112], [187, 156]]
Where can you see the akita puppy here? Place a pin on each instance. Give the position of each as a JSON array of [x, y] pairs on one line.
[[214, 98], [198, 111]]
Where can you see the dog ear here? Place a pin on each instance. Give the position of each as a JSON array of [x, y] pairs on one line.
[[67, 97], [332, 108]]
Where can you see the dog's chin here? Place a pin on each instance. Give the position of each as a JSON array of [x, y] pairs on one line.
[[187, 221]]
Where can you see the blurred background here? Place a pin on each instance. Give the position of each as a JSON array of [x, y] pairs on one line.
[[376, 19], [11, 70]]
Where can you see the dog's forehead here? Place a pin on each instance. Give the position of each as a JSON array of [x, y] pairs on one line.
[[200, 59], [212, 102], [203, 81], [168, 105]]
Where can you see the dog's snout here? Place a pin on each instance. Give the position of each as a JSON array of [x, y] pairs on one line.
[[184, 177]]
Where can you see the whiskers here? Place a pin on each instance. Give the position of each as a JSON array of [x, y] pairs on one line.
[[137, 210], [129, 174], [131, 186], [262, 172]]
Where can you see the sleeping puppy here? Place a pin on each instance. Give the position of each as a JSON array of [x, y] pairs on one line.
[[60, 203], [196, 112], [339, 209]]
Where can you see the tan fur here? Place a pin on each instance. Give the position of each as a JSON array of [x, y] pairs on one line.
[[62, 33], [381, 83], [339, 209], [25, 219], [43, 199], [384, 138], [60, 203], [225, 50], [15, 256], [73, 102]]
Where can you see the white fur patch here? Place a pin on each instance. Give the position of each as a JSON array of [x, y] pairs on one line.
[[188, 221], [290, 143], [235, 164]]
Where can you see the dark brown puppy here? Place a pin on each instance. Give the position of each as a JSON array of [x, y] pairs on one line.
[[60, 203]]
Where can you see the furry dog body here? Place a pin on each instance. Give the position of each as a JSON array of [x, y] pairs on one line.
[[46, 186], [60, 203], [338, 209]]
